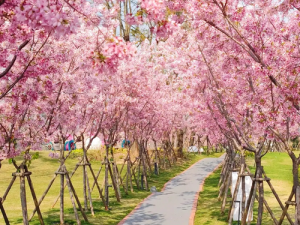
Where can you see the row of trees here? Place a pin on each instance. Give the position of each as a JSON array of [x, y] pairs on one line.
[[69, 69], [65, 72], [239, 64]]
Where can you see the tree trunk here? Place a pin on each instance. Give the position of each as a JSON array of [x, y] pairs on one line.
[[297, 198], [84, 188], [192, 139], [106, 179], [295, 174], [296, 189], [180, 143], [243, 183], [23, 197], [260, 193], [62, 180]]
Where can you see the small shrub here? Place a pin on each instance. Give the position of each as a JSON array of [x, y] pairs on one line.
[[119, 150], [78, 153], [95, 155], [249, 154]]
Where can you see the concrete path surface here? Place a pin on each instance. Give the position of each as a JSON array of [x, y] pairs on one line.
[[175, 204]]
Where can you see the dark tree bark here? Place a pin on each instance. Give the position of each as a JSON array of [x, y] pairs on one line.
[[192, 138], [180, 143]]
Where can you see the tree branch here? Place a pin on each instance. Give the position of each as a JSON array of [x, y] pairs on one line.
[[249, 149], [14, 58], [25, 69]]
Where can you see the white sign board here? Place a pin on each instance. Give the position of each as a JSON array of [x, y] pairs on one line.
[[237, 214]]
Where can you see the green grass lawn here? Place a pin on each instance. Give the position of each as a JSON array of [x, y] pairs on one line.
[[43, 170], [278, 167]]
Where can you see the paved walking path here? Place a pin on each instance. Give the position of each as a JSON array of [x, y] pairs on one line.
[[174, 205]]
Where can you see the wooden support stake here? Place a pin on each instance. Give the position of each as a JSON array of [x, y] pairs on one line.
[[147, 159], [96, 178], [119, 177], [260, 199], [76, 197], [223, 172], [73, 203], [84, 189], [43, 196], [243, 194], [269, 210], [97, 184], [61, 217], [134, 177], [145, 173], [127, 180], [139, 172], [169, 161], [130, 175], [23, 197], [286, 208], [57, 172], [3, 213], [250, 201], [8, 188], [106, 183], [125, 160], [34, 197], [114, 183], [226, 187], [278, 199], [231, 208], [89, 194], [116, 177], [297, 199]]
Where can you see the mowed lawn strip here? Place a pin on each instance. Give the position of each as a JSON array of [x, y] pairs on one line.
[[278, 167], [43, 170]]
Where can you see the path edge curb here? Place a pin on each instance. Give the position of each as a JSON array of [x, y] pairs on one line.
[[163, 188], [195, 204]]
